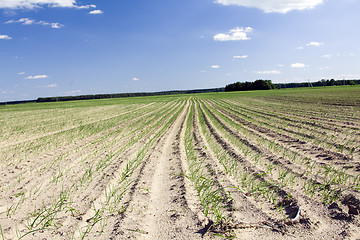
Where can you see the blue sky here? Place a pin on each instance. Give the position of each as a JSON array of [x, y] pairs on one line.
[[69, 47]]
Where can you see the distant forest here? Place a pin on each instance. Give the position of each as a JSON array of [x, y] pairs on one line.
[[321, 83], [267, 84], [247, 86], [115, 95], [122, 95]]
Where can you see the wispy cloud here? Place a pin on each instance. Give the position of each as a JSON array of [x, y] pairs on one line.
[[29, 21], [240, 57], [5, 37], [268, 72], [24, 21], [97, 11], [135, 79], [279, 6], [33, 4], [215, 66], [299, 48], [298, 65], [326, 56], [37, 77], [53, 25], [21, 73], [315, 44], [85, 6], [236, 34], [54, 85]]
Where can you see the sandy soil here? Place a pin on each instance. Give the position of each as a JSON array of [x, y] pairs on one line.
[[129, 178]]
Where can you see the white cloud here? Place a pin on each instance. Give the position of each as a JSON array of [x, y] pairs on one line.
[[236, 34], [24, 21], [326, 56], [299, 48], [85, 6], [56, 25], [37, 77], [5, 37], [240, 57], [281, 65], [53, 25], [279, 6], [32, 4], [29, 21], [21, 73], [315, 44], [96, 12], [215, 66], [268, 72], [135, 79], [324, 68], [298, 65], [351, 54]]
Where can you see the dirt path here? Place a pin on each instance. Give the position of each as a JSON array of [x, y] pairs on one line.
[[169, 216], [159, 205]]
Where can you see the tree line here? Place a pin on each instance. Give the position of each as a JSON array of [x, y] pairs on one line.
[[124, 95], [113, 95], [321, 83], [247, 86], [267, 84]]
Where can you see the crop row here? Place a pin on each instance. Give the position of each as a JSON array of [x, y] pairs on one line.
[[49, 196]]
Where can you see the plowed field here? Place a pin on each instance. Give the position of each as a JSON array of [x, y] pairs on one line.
[[280, 164]]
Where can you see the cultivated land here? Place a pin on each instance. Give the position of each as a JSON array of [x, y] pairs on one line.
[[279, 164]]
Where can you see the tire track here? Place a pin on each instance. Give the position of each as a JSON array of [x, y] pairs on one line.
[[169, 216]]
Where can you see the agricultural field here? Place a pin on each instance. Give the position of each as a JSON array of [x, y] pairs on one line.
[[277, 164]]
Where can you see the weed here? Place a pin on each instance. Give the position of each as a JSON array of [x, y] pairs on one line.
[[2, 233]]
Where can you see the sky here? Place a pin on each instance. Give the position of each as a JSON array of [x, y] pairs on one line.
[[76, 47]]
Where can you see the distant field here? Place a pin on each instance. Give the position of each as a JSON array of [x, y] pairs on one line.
[[277, 164]]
